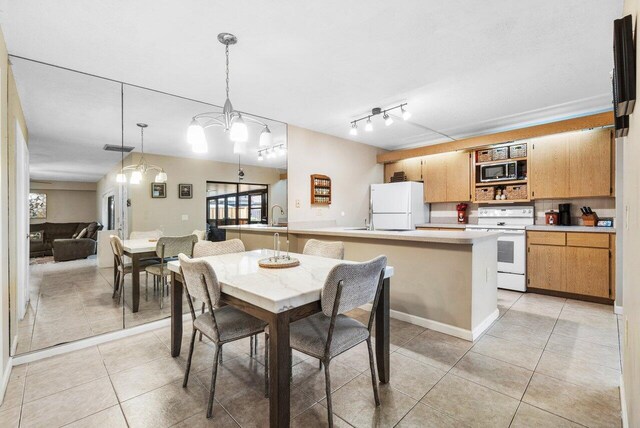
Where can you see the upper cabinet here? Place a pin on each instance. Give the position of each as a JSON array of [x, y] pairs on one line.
[[572, 165], [411, 168], [446, 177]]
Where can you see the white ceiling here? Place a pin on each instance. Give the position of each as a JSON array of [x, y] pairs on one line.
[[464, 67]]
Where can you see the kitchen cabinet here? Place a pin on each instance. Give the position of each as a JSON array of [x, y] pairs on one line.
[[447, 177], [572, 165], [579, 264], [412, 169]]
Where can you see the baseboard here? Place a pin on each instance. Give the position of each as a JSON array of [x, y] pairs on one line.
[[439, 326], [623, 405], [92, 341], [617, 310], [5, 379]]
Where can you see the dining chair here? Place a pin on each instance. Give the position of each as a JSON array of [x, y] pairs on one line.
[[330, 249], [167, 248], [201, 234], [313, 247], [208, 248], [122, 268], [329, 333], [220, 324]]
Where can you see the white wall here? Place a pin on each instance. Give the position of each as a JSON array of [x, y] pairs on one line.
[[67, 202], [351, 166]]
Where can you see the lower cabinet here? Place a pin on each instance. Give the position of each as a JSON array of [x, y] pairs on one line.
[[576, 263]]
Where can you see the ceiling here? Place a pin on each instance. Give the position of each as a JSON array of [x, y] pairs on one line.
[[464, 67]]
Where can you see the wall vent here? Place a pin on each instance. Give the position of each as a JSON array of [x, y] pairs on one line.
[[119, 149]]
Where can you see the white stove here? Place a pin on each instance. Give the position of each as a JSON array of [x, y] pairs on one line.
[[512, 247]]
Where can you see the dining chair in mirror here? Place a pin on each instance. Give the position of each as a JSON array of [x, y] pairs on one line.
[[329, 249], [145, 234]]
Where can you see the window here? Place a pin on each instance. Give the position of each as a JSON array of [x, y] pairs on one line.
[[234, 204]]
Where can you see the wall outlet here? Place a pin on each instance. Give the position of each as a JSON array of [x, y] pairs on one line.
[[297, 203], [185, 217]]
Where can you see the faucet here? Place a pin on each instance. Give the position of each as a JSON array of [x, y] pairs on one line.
[[273, 219]]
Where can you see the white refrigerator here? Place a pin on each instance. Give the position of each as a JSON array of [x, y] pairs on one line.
[[398, 206]]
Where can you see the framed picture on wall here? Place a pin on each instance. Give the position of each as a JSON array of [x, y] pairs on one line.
[[185, 191], [37, 205], [158, 190]]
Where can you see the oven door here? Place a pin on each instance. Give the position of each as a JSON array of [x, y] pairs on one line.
[[511, 251]]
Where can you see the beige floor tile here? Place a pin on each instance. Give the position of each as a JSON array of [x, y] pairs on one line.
[[165, 406], [515, 353], [24, 339], [70, 371], [574, 402], [15, 388], [534, 321], [357, 357], [10, 418], [132, 351], [402, 332], [111, 418], [203, 354], [607, 356], [355, 403], [594, 309], [57, 332], [579, 372], [471, 403], [528, 416], [601, 334], [494, 374], [233, 377], [146, 377], [519, 333], [316, 416], [69, 405], [311, 380], [436, 349], [507, 297], [410, 376], [423, 416], [220, 419]]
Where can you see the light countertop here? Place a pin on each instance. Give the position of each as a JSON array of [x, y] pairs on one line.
[[436, 236], [443, 225], [549, 228]]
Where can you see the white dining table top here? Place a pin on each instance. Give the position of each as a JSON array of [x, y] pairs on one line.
[[276, 290], [139, 245]]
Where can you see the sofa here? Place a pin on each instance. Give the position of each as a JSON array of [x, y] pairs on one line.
[[61, 240]]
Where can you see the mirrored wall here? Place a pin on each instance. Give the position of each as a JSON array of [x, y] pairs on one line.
[[106, 158]]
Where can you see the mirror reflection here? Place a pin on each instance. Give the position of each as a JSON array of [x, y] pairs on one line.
[[125, 191]]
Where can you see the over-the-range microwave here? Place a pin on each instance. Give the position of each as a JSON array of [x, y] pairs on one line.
[[499, 171]]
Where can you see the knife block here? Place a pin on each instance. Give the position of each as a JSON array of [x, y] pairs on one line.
[[589, 219]]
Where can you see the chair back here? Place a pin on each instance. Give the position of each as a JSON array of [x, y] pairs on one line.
[[171, 246], [208, 248], [332, 250], [118, 250], [201, 234], [200, 281], [360, 284], [145, 234]]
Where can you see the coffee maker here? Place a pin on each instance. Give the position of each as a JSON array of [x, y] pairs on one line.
[[564, 215]]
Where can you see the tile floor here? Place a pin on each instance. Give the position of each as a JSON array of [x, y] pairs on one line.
[[547, 362], [72, 300]]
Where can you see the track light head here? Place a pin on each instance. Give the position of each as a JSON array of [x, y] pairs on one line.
[[368, 127], [354, 129], [387, 119]]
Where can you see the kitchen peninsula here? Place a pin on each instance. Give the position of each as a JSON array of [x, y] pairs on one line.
[[444, 280]]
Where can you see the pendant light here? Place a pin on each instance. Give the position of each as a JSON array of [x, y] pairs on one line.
[[142, 167], [232, 121]]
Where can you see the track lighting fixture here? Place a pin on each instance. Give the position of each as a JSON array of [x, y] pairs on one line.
[[272, 152], [388, 120]]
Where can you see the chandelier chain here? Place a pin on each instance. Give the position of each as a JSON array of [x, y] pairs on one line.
[[226, 51]]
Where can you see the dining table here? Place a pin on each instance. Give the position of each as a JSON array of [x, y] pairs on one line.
[[136, 250], [278, 297]]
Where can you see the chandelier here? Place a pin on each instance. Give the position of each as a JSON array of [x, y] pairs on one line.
[[231, 120], [142, 167]]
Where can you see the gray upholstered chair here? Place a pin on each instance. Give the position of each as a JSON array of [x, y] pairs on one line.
[[121, 267], [166, 248], [332, 250], [221, 325], [329, 333]]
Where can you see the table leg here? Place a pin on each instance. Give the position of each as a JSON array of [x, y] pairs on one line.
[[176, 314], [115, 271], [135, 279], [383, 332], [279, 366]]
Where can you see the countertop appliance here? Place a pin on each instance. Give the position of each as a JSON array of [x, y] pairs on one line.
[[499, 171], [398, 206], [512, 246], [564, 216]]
